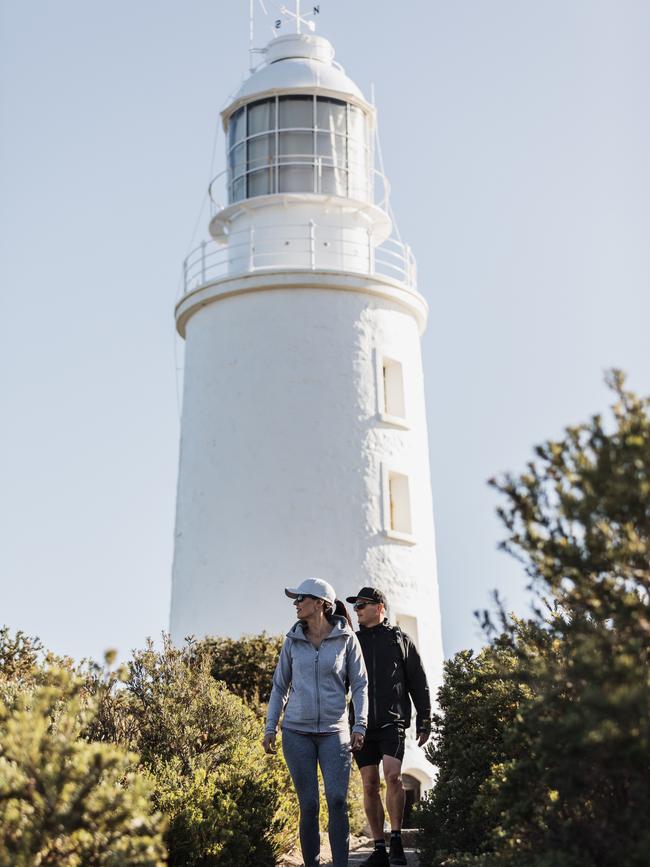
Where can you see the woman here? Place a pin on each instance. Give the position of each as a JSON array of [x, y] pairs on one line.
[[319, 658]]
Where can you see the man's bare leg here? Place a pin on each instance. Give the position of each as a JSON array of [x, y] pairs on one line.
[[395, 794], [372, 801]]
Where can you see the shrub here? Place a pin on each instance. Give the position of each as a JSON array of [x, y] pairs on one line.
[[477, 704], [64, 801], [227, 803], [245, 665], [567, 784]]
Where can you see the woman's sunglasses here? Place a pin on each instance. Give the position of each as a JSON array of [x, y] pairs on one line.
[[301, 597]]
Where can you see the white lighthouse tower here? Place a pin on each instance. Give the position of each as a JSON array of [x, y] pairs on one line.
[[304, 438]]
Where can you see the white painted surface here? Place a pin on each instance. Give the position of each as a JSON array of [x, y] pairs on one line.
[[286, 446], [310, 71], [281, 460]]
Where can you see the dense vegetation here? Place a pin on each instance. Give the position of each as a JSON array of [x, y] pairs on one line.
[[542, 739], [156, 762]]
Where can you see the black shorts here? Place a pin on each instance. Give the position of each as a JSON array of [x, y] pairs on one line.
[[386, 741]]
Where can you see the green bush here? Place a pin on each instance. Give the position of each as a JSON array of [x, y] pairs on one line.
[[64, 801], [226, 802], [564, 782], [245, 665], [198, 741], [477, 704]]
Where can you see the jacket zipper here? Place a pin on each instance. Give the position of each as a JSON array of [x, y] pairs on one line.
[[374, 679], [317, 692]]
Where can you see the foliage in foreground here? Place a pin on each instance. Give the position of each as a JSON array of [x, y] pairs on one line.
[[245, 665], [64, 801], [542, 740], [226, 802], [91, 760]]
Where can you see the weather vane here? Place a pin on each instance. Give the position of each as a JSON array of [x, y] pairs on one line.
[[297, 18]]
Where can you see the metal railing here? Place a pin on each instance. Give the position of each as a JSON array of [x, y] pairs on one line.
[[330, 176], [307, 246]]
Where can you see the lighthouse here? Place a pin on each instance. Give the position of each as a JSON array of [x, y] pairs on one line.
[[304, 446]]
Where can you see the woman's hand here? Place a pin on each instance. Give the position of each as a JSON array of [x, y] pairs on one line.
[[269, 744], [356, 742]]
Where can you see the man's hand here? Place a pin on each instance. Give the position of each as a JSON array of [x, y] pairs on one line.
[[356, 742], [423, 736], [269, 744]]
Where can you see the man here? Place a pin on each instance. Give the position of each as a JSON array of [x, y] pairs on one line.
[[395, 676]]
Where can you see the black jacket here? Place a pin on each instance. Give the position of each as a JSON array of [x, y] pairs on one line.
[[395, 676]]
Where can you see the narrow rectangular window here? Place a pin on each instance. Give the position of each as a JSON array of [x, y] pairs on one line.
[[393, 388], [399, 503], [391, 399]]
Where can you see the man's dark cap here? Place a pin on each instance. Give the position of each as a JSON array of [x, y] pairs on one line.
[[368, 594]]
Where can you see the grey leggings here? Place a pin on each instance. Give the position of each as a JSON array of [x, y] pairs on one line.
[[332, 752]]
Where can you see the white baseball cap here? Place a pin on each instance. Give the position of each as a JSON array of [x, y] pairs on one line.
[[313, 587]]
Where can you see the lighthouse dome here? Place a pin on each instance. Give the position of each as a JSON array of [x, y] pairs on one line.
[[297, 61]]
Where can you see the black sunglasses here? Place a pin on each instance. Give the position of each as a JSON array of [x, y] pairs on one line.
[[302, 596], [359, 605]]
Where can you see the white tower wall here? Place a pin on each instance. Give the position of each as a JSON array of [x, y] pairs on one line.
[[304, 447], [283, 458]]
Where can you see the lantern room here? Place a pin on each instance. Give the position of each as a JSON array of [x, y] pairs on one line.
[[299, 125]]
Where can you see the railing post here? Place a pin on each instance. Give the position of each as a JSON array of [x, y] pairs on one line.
[[411, 278], [203, 262], [251, 248], [371, 252], [185, 276], [312, 245]]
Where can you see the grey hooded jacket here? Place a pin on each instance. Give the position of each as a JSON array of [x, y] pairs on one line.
[[310, 684]]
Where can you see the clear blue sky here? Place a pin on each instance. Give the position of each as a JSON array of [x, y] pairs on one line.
[[516, 135]]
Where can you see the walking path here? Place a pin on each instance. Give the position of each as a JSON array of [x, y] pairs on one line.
[[358, 856]]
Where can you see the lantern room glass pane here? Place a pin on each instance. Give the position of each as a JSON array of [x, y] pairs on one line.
[[299, 145], [296, 179], [332, 148], [331, 115], [357, 157], [357, 124], [296, 112], [261, 116], [333, 181], [238, 160], [237, 126], [239, 190], [260, 183], [261, 151]]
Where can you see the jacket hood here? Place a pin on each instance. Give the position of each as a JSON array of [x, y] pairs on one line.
[[340, 627]]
